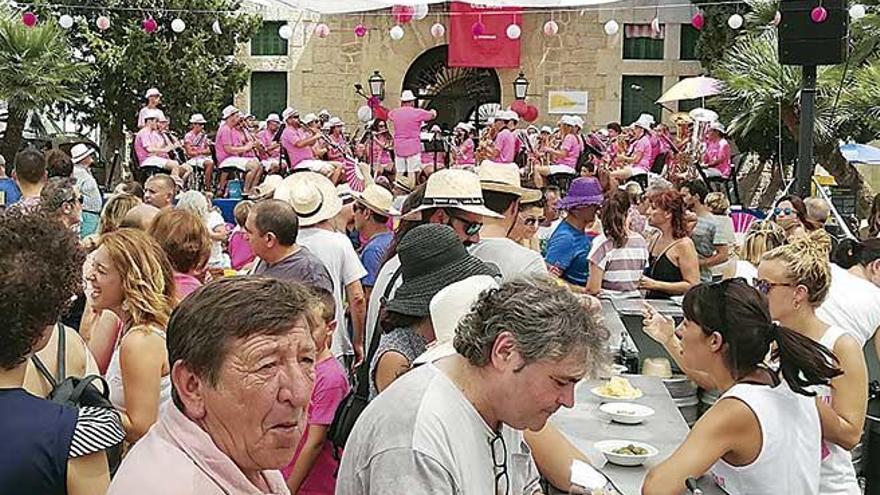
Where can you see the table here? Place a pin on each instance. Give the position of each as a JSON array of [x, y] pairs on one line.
[[584, 425], [630, 312], [612, 322]]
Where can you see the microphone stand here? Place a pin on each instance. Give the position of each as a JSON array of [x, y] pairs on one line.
[[638, 91]]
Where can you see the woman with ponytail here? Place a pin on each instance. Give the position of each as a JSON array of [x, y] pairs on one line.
[[796, 279], [762, 436], [618, 256]]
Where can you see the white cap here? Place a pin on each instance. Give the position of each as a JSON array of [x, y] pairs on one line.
[[511, 115], [718, 126], [308, 118], [153, 113], [80, 151], [547, 129], [335, 122], [568, 120], [229, 111], [324, 112], [579, 122], [407, 95], [288, 113], [153, 92], [273, 117], [646, 118], [197, 118]]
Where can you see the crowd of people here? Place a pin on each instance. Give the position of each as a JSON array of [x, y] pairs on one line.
[[238, 356]]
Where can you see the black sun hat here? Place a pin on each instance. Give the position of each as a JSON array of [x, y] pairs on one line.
[[431, 257]]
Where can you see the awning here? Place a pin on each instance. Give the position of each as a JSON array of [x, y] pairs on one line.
[[352, 6], [860, 153]]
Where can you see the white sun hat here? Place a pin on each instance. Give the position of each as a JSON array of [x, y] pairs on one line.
[[458, 189], [312, 196]]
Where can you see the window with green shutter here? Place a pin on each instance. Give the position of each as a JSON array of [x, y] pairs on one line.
[[268, 93], [267, 42], [638, 94], [640, 42], [688, 45]]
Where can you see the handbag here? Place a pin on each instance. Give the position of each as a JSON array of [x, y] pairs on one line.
[[356, 401]]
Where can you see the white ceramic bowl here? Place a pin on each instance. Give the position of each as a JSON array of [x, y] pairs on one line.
[[595, 391], [626, 412], [608, 446]]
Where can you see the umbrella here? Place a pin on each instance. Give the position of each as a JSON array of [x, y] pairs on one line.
[[691, 88], [860, 153]]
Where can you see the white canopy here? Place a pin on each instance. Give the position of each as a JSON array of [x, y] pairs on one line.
[[349, 6]]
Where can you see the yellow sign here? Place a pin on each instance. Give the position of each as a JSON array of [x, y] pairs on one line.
[[567, 102]]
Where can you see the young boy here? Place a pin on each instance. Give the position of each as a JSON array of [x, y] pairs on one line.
[[313, 468]]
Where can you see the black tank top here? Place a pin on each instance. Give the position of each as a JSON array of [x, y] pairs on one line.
[[662, 269]]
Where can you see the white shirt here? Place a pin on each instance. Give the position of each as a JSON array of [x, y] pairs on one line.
[[422, 435], [213, 221], [338, 255], [511, 259], [746, 270], [852, 303]]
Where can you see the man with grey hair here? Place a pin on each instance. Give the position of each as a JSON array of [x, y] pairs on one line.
[[817, 212], [453, 426]]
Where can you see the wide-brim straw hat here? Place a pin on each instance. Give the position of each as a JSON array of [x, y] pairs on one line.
[[504, 178], [431, 257], [377, 199], [584, 191], [267, 188], [405, 183], [458, 189], [447, 308], [312, 196]]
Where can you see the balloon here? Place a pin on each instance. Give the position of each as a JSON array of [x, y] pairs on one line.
[[322, 30], [857, 11], [697, 21], [520, 107], [514, 31], [420, 11], [478, 28], [403, 14], [531, 113], [177, 25], [777, 18], [29, 19], [655, 25], [396, 33], [285, 31], [360, 30], [612, 27], [65, 21], [365, 114], [103, 23], [819, 14], [149, 25], [216, 27], [735, 21], [438, 30], [551, 28]]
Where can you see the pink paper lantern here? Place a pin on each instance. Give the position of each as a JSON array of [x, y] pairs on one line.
[[819, 14], [478, 28], [403, 14], [103, 23], [697, 21], [360, 30], [777, 18], [29, 19], [551, 28], [438, 30], [150, 25], [520, 107], [322, 30]]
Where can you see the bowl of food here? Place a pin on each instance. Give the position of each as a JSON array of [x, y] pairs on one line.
[[617, 388], [626, 412], [626, 452]]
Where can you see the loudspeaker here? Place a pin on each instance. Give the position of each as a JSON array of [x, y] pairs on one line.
[[804, 42]]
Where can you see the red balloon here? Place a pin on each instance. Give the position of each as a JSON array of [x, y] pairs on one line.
[[520, 107], [403, 14], [380, 112], [531, 113]]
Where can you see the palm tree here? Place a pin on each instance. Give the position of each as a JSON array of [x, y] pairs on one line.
[[37, 70]]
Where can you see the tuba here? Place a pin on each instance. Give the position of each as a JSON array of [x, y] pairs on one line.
[[702, 119]]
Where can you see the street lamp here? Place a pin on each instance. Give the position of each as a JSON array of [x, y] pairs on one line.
[[377, 85], [520, 87]]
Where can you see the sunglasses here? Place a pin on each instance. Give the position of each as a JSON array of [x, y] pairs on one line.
[[530, 221], [765, 286], [780, 211], [470, 228]]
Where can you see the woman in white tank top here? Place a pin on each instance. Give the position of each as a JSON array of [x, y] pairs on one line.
[[796, 279], [762, 436], [131, 277]]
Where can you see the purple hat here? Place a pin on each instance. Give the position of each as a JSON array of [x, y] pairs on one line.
[[584, 191]]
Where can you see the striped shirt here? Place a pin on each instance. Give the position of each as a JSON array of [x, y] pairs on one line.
[[622, 266]]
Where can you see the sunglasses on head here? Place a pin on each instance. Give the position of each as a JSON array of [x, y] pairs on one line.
[[779, 211]]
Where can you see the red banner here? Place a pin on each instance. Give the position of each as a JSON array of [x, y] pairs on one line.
[[477, 40]]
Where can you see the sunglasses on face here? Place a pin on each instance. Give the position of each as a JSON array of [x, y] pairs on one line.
[[531, 221], [779, 211], [470, 228], [764, 286]]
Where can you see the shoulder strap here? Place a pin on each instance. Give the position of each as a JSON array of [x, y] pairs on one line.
[[363, 372], [665, 250], [41, 367], [62, 350]]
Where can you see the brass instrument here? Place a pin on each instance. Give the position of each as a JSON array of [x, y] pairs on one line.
[[486, 148]]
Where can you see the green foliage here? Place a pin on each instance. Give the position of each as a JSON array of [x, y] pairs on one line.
[[716, 36]]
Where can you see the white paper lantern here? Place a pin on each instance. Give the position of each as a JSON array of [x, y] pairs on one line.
[[514, 31], [655, 25], [365, 114], [612, 27], [216, 27], [438, 30], [177, 25], [735, 21], [857, 11], [421, 11], [551, 28], [103, 23], [65, 21], [285, 31], [396, 33]]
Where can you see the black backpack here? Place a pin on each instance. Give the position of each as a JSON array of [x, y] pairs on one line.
[[78, 392]]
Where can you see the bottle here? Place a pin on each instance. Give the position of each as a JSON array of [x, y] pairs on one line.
[[629, 355]]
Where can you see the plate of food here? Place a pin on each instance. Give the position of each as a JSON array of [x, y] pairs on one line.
[[626, 412], [626, 452], [617, 388]]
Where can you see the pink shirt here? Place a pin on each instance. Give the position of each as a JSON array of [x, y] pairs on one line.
[[289, 138], [331, 387], [407, 129], [185, 285], [144, 139], [334, 154], [240, 251], [572, 146], [198, 143], [380, 154], [643, 146], [505, 143], [719, 150], [227, 136], [429, 157], [466, 152], [265, 137]]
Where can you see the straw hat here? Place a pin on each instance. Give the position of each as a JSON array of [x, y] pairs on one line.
[[405, 183], [504, 178], [377, 199], [407, 95], [431, 258], [267, 188], [80, 151], [344, 193], [312, 196], [447, 308], [229, 111], [681, 118], [451, 188]]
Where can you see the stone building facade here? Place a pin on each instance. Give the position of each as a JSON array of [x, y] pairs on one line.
[[319, 73]]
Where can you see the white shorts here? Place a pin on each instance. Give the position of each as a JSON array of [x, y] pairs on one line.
[[156, 161], [562, 169], [238, 162], [408, 164], [712, 172], [319, 166], [198, 162], [270, 163]]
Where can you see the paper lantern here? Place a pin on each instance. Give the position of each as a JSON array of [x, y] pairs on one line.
[[420, 11], [149, 25], [857, 12], [551, 28], [103, 23], [29, 19], [520, 107], [735, 21], [360, 30], [819, 14], [396, 33], [697, 21], [655, 25], [612, 27], [216, 27], [777, 18], [438, 30], [531, 113], [322, 30], [177, 25], [478, 28], [285, 31], [403, 14], [365, 114], [65, 21], [514, 31]]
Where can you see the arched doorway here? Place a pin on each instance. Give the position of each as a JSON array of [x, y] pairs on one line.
[[458, 94]]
